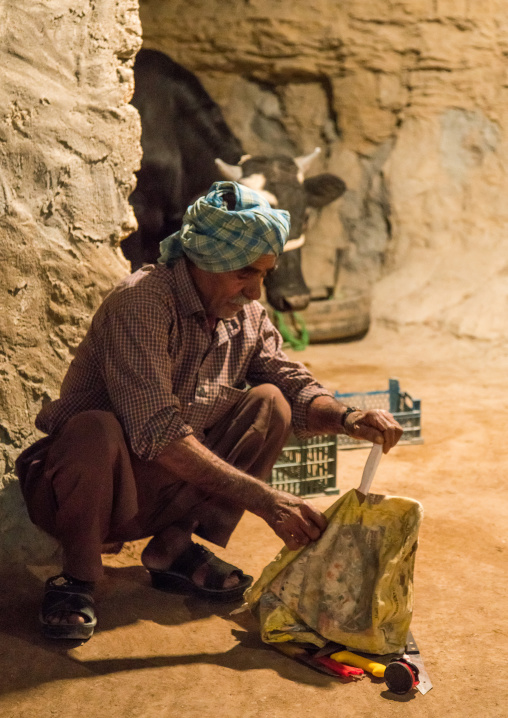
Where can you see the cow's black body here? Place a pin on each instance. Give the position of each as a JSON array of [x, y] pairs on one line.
[[183, 132]]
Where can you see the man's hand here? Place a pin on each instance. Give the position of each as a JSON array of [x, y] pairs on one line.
[[375, 425], [294, 520]]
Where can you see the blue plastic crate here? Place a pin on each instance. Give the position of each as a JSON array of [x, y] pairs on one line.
[[307, 467], [404, 408]]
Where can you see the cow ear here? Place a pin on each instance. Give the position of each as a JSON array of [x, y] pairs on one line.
[[323, 189]]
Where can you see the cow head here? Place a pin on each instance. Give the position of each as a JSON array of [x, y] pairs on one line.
[[281, 180]]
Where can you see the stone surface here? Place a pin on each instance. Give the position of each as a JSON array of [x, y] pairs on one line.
[[69, 144], [408, 99]]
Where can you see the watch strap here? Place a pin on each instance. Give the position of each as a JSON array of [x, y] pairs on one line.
[[349, 410]]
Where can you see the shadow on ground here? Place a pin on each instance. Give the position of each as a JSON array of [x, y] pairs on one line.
[[28, 660]]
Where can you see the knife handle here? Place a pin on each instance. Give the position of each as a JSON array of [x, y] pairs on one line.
[[351, 659]]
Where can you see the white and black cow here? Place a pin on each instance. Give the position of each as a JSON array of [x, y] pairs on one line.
[[186, 147]]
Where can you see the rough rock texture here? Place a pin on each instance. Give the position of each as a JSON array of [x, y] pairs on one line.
[[408, 99], [69, 144]]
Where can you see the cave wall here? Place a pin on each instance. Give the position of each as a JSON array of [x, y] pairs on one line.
[[408, 100], [69, 145]]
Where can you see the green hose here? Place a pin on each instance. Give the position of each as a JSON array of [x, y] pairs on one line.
[[295, 336]]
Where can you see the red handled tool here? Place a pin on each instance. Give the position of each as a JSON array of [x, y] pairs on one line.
[[340, 668]]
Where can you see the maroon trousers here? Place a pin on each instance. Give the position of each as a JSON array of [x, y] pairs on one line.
[[84, 487]]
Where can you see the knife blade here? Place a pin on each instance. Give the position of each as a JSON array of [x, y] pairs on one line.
[[413, 654]]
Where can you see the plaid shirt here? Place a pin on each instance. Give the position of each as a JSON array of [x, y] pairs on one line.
[[151, 358]]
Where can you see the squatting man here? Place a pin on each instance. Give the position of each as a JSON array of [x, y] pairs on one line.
[[172, 413]]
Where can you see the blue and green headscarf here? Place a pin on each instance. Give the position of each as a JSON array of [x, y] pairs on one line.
[[216, 239]]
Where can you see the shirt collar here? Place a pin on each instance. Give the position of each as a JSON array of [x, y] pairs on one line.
[[186, 296]]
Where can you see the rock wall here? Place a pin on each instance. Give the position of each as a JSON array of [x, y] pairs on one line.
[[69, 144], [408, 99]]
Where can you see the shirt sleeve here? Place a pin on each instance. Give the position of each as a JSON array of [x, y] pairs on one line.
[[269, 364], [135, 363]]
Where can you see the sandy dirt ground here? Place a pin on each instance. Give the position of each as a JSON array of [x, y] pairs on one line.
[[156, 655]]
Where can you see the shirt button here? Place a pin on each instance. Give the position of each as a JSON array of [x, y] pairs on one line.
[[201, 391]]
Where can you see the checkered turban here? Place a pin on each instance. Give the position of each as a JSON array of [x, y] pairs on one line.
[[216, 239]]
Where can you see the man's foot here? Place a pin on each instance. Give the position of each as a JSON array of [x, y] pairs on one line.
[[166, 548], [68, 609], [190, 568]]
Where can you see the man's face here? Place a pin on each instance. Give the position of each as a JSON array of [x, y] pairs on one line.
[[224, 293]]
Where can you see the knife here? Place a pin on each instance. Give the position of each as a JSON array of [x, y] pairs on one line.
[[413, 654]]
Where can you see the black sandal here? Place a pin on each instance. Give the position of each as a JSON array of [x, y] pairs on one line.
[[63, 593], [178, 578]]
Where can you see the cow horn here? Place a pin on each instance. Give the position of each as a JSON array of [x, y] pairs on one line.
[[294, 243], [304, 163], [230, 172]]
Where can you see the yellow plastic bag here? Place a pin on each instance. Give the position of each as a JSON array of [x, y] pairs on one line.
[[354, 586]]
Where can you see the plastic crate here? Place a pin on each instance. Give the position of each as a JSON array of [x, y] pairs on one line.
[[404, 408], [307, 467]]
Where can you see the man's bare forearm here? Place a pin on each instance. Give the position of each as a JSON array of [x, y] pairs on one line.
[[293, 519], [326, 416], [188, 460]]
